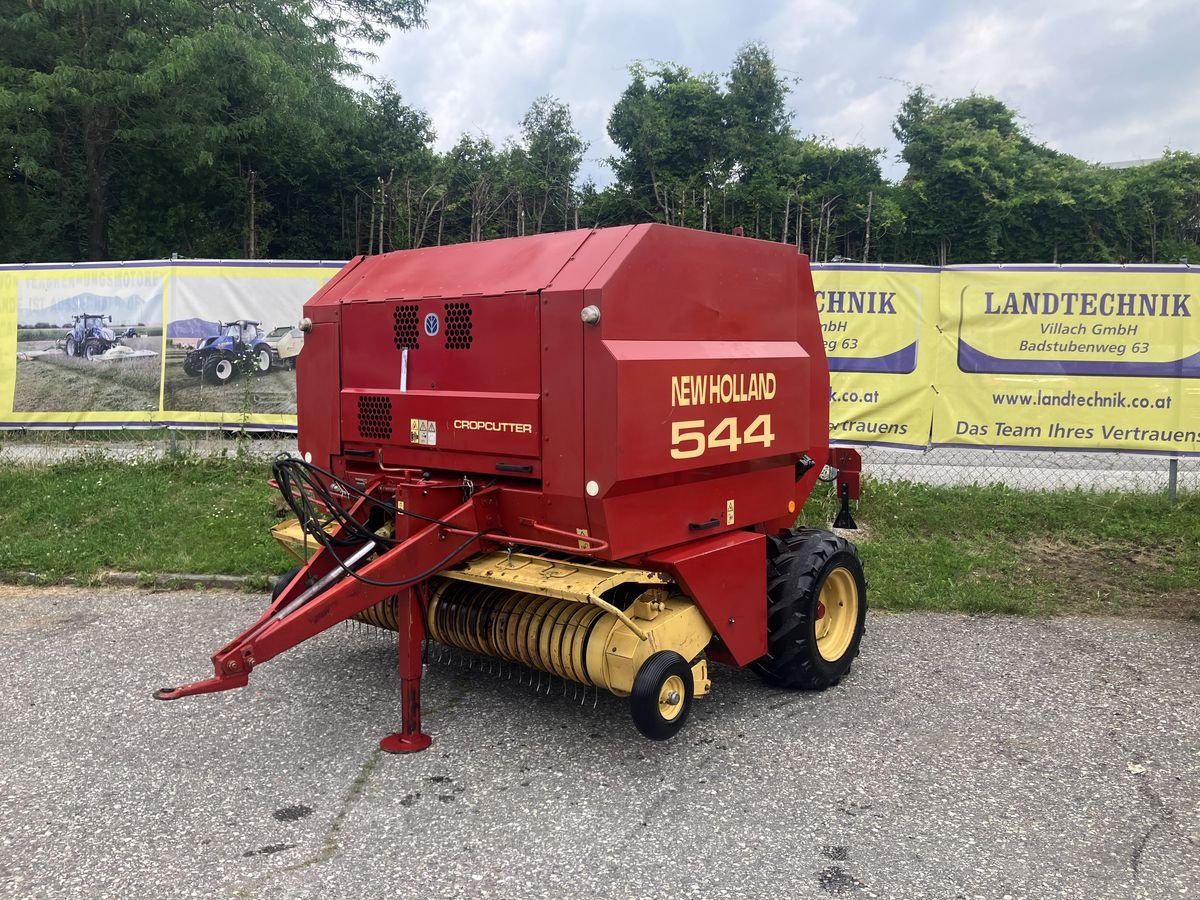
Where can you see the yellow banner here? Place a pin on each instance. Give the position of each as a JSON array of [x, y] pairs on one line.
[[880, 339], [1072, 357], [137, 344]]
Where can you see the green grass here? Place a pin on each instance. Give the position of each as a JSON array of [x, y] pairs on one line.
[[192, 516], [992, 549], [970, 549]]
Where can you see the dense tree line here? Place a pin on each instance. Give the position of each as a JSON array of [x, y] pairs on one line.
[[211, 128]]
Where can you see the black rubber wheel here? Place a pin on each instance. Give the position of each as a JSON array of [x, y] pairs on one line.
[[218, 370], [91, 349], [816, 609], [284, 580], [193, 365], [662, 695], [71, 347]]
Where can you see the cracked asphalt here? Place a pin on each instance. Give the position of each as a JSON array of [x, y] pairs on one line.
[[964, 757]]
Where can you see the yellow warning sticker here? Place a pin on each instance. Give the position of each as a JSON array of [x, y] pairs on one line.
[[422, 431]]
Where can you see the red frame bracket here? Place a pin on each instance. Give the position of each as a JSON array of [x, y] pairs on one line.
[[726, 576]]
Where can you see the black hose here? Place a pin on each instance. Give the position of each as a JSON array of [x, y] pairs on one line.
[[299, 483]]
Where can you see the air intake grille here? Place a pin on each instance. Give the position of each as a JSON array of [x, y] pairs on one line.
[[405, 327], [458, 326], [375, 417]]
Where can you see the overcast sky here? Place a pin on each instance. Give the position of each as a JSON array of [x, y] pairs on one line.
[[1104, 81]]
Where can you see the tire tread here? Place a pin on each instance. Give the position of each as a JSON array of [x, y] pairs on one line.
[[796, 561]]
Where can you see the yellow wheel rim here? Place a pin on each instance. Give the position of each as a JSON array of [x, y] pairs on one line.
[[837, 614], [670, 698]]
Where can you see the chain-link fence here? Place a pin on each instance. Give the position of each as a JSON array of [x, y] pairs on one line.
[[947, 466], [49, 447], [1030, 470]]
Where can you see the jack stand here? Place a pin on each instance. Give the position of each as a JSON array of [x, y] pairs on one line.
[[411, 633], [844, 519]]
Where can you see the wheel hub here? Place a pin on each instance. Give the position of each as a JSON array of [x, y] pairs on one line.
[[670, 697], [836, 614]]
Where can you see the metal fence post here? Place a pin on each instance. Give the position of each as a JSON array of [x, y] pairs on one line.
[[1173, 479]]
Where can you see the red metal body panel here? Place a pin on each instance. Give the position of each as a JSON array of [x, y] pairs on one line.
[[520, 265], [727, 577], [318, 418], [482, 344], [848, 462]]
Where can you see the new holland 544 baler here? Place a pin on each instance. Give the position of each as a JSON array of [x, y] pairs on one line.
[[581, 453]]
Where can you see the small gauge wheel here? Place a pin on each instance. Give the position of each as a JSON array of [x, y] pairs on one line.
[[662, 695]]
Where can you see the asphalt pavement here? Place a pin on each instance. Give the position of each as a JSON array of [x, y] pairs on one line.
[[964, 757]]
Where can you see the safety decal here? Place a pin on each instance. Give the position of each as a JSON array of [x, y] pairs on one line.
[[422, 431]]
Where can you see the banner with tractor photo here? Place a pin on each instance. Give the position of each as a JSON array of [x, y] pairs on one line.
[[181, 343]]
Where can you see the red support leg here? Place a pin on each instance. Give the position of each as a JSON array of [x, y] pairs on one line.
[[411, 630]]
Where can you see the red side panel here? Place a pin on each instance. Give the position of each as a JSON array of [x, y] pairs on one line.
[[726, 576], [700, 387], [447, 383], [562, 385], [319, 431]]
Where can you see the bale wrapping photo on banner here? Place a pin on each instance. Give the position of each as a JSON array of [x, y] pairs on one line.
[[1070, 357], [232, 339]]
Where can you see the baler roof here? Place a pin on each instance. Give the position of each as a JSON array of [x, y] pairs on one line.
[[524, 265]]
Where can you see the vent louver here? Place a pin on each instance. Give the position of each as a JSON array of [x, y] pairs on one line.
[[405, 327], [375, 417], [458, 326]]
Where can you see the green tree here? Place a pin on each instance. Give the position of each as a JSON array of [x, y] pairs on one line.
[[759, 137], [552, 152], [840, 202], [669, 125], [1161, 202], [480, 187], [88, 87], [974, 180]]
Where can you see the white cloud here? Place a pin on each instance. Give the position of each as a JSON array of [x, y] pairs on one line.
[[1101, 80]]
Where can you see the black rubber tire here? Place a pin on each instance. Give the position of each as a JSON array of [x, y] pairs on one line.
[[193, 365], [71, 349], [284, 580], [91, 349], [648, 686], [219, 370], [798, 565]]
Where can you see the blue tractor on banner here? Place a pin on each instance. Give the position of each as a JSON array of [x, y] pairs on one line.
[[89, 336], [237, 346]]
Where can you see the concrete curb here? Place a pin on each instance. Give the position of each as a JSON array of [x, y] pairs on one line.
[[172, 580], [163, 581]]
